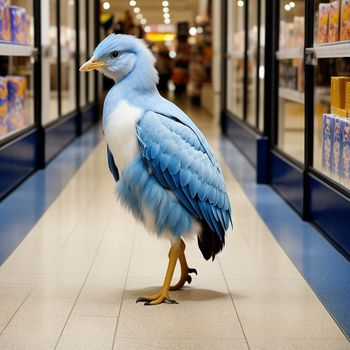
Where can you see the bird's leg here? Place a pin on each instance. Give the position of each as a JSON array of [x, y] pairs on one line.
[[185, 270], [163, 295]]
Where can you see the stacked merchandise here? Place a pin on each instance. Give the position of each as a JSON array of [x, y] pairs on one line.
[[291, 74], [14, 24], [12, 97], [333, 21], [292, 33], [336, 132]]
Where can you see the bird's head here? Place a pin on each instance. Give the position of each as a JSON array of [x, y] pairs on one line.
[[118, 55]]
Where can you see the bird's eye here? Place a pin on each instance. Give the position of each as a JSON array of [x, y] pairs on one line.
[[115, 54]]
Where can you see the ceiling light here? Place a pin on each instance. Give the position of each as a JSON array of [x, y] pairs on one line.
[[165, 9], [167, 21], [292, 4], [287, 7], [139, 16], [199, 30], [240, 3], [166, 15], [143, 21], [106, 5], [132, 3], [71, 2], [165, 3], [192, 31], [147, 29], [137, 9]]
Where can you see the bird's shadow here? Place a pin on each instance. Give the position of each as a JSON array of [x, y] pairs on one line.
[[187, 293]]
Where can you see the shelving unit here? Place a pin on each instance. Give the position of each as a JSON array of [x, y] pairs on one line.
[[8, 49], [290, 53], [338, 49], [291, 95]]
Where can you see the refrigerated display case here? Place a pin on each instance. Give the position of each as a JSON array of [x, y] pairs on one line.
[[290, 56]]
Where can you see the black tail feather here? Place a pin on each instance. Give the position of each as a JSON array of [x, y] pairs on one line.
[[209, 242]]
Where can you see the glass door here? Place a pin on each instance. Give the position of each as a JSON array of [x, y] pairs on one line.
[[291, 114]]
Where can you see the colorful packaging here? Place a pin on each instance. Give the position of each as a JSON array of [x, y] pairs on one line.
[[338, 95], [17, 26], [299, 25], [16, 86], [322, 35], [333, 22], [337, 148], [3, 98], [346, 153], [327, 146], [5, 22], [345, 20], [347, 99]]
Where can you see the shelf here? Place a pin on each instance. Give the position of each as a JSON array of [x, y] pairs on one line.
[[291, 95], [290, 53], [331, 50], [8, 49]]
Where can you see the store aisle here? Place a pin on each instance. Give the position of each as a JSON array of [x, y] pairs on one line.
[[73, 281]]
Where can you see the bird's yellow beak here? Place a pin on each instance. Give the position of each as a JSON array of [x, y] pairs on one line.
[[93, 64]]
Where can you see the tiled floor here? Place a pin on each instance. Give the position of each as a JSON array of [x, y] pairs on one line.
[[73, 281]]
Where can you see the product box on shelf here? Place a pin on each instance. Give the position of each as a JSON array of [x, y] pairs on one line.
[[323, 14], [338, 95], [337, 148], [5, 22], [16, 86], [18, 17], [347, 99], [345, 20], [346, 152], [327, 142], [3, 106], [298, 32], [333, 22]]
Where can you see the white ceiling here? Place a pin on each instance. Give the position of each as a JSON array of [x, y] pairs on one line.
[[152, 10]]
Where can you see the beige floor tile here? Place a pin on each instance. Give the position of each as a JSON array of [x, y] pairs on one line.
[[8, 307], [58, 286], [99, 327], [101, 296], [179, 343], [84, 342], [37, 324], [298, 344], [214, 319]]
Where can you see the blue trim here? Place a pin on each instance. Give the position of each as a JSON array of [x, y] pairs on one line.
[[251, 144], [322, 266], [20, 211], [88, 117], [17, 161], [333, 218], [288, 180], [59, 135]]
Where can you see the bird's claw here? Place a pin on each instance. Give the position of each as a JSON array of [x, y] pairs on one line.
[[156, 300], [190, 270]]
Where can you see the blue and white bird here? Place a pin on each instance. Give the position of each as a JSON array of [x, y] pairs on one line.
[[165, 170]]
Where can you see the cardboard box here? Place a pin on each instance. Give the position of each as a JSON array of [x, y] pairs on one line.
[[345, 20], [333, 22], [323, 14]]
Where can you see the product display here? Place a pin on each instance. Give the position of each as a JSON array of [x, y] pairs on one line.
[[292, 33], [336, 148], [291, 74], [5, 27], [333, 22], [338, 85], [345, 20], [322, 35], [12, 103], [14, 24]]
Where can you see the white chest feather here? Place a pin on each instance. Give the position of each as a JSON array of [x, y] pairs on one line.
[[120, 133]]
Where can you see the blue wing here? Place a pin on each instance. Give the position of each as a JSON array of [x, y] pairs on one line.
[[181, 163], [112, 167]]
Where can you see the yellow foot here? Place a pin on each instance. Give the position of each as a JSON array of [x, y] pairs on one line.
[[185, 277], [156, 299]]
